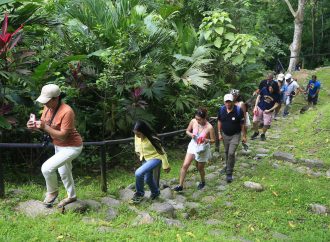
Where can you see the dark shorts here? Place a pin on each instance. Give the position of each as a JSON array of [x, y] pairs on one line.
[[312, 99]]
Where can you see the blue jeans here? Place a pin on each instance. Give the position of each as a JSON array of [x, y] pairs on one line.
[[145, 173]]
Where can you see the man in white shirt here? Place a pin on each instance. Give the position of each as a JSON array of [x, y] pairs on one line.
[[292, 89]]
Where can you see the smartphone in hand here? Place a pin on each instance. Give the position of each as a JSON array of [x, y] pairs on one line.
[[33, 119]]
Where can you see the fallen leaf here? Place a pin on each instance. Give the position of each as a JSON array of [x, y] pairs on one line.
[[178, 237], [291, 224], [190, 234], [251, 227], [275, 194]]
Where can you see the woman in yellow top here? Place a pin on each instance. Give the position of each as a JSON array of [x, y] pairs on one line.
[[148, 147]]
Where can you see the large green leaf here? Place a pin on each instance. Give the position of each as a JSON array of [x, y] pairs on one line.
[[237, 60], [230, 36], [207, 34], [219, 30], [218, 42]]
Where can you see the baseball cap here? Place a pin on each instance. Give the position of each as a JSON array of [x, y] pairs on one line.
[[48, 92], [228, 97], [280, 77], [288, 76]]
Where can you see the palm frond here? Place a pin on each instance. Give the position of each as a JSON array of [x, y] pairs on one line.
[[195, 76]]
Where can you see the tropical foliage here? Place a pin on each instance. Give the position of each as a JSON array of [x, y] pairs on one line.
[[122, 60]]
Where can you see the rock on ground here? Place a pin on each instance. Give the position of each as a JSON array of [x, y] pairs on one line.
[[143, 218], [126, 194], [111, 214], [284, 156], [165, 209], [318, 208], [111, 202], [253, 186], [34, 208], [280, 236], [92, 204], [173, 222], [78, 206], [262, 151], [166, 193], [312, 163], [328, 174]]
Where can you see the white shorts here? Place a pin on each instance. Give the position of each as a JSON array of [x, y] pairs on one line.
[[200, 157]]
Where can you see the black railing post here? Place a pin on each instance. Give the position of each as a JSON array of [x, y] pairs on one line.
[[2, 183], [103, 155]]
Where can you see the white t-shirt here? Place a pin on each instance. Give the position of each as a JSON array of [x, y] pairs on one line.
[[292, 86]]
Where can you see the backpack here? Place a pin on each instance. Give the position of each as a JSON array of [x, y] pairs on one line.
[[236, 109]]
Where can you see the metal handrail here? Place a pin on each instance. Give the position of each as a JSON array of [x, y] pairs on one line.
[[102, 145]]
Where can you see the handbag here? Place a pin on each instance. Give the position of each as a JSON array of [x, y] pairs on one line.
[[200, 148], [46, 138]]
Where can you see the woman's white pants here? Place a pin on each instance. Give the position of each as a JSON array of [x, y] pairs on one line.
[[62, 161]]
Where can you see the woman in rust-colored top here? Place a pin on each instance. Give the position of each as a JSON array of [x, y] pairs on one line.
[[67, 143]]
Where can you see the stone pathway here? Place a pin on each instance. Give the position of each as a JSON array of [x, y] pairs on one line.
[[174, 208]]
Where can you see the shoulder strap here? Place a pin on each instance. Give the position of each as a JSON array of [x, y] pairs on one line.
[[56, 109], [238, 109]]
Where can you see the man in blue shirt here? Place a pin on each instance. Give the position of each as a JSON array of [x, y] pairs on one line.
[[313, 89]]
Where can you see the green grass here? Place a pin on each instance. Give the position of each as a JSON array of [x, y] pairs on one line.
[[282, 207]]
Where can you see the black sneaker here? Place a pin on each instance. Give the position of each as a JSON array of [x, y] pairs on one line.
[[178, 188], [201, 185], [229, 178], [153, 196], [136, 198], [263, 137], [255, 134]]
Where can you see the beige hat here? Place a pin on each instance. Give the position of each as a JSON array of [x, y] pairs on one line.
[[228, 97], [48, 92]]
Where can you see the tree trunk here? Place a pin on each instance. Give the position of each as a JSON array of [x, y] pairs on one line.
[[295, 46]]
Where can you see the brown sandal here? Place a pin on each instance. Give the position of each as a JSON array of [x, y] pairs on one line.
[[66, 201]]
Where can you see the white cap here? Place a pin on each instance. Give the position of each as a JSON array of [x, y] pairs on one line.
[[48, 92], [228, 97], [288, 76], [280, 77]]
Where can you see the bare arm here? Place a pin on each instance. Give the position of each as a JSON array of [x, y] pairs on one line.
[[219, 130], [212, 135], [272, 109], [190, 128], [58, 134], [257, 101], [243, 128]]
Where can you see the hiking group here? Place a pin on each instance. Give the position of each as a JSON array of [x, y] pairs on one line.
[[58, 123]]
